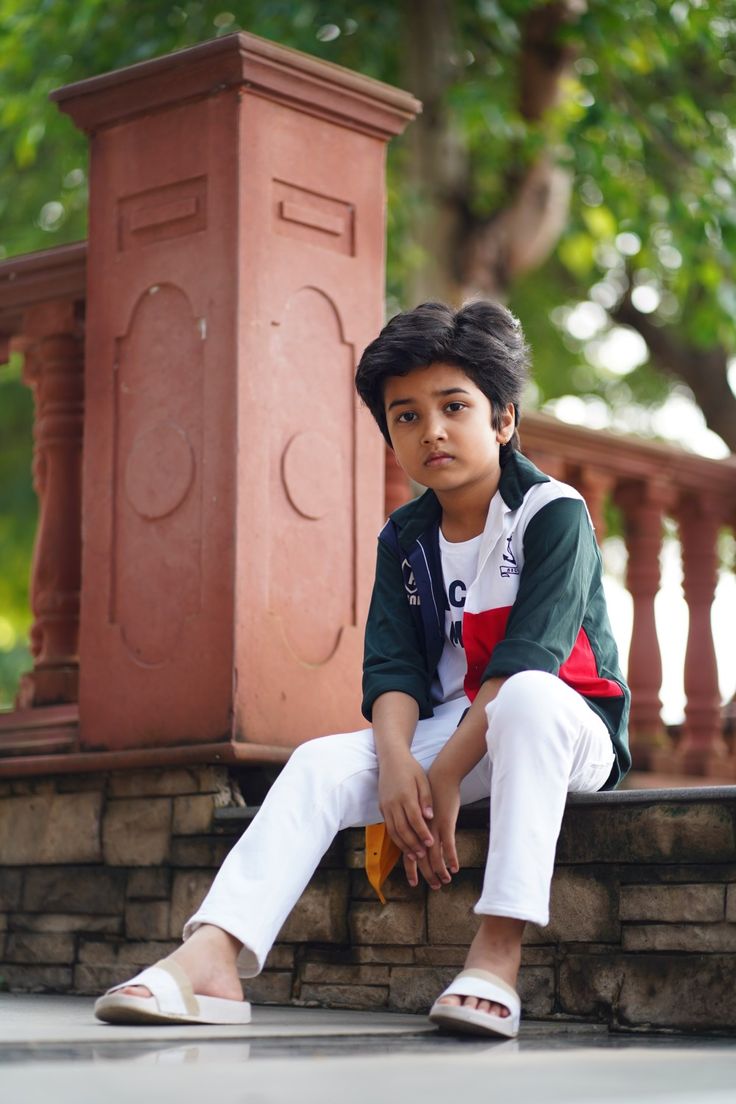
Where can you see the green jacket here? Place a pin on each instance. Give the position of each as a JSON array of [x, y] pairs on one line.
[[537, 602]]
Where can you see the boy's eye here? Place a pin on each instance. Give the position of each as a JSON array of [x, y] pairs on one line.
[[455, 405]]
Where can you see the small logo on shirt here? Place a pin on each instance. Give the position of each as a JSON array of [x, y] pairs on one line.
[[456, 593], [510, 567], [410, 584]]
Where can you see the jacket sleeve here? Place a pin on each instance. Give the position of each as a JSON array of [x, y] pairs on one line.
[[394, 657], [561, 563]]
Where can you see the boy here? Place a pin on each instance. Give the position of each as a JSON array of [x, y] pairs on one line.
[[489, 669]]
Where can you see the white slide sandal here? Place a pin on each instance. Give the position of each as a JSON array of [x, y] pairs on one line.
[[173, 1001], [469, 1021]]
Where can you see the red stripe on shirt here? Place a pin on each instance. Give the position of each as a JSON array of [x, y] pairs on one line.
[[483, 631], [581, 672]]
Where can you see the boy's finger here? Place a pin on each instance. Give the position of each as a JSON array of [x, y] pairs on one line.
[[425, 801], [396, 834], [410, 869], [437, 864], [428, 873], [419, 825], [405, 837], [449, 851], [446, 834]]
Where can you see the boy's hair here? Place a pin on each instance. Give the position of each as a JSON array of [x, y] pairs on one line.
[[482, 338]]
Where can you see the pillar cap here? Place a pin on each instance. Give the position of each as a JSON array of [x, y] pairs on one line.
[[243, 61]]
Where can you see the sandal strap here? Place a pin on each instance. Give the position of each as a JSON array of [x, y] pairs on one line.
[[169, 985], [485, 986]]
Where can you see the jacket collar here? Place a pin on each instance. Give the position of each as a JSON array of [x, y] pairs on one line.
[[518, 475]]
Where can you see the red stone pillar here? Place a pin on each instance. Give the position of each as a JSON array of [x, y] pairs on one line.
[[233, 486], [643, 506], [702, 749], [53, 346]]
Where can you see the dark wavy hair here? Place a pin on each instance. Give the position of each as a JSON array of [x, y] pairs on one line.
[[484, 339]]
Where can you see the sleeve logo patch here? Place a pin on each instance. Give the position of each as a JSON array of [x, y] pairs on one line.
[[509, 566], [410, 584]]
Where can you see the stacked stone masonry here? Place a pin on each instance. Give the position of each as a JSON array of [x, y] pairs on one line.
[[99, 873]]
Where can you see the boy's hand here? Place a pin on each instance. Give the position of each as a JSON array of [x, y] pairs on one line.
[[441, 860], [405, 801]]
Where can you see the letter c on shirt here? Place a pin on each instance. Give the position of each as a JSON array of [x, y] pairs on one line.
[[456, 593]]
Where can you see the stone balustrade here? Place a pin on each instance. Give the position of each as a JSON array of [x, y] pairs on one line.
[[42, 306], [42, 298], [649, 482], [188, 548]]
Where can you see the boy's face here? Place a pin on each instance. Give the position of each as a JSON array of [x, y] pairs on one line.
[[440, 426]]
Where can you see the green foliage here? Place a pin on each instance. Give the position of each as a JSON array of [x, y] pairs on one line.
[[43, 45], [653, 157], [18, 510], [644, 127]]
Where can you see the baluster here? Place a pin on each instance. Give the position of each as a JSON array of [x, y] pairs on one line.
[[702, 749], [595, 486], [548, 462], [643, 506], [53, 369]]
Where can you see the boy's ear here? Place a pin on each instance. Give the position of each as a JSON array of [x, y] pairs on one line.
[[508, 424]]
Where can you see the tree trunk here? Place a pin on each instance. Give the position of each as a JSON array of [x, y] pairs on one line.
[[457, 255], [705, 371], [438, 166]]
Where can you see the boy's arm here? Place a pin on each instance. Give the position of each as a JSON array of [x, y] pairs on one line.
[[404, 795], [394, 657], [561, 567], [395, 696], [463, 751]]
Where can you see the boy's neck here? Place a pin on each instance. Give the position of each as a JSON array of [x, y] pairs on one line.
[[465, 510]]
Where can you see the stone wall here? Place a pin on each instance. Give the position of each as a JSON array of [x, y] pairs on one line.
[[100, 871]]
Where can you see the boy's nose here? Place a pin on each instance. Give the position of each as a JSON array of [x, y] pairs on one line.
[[435, 431]]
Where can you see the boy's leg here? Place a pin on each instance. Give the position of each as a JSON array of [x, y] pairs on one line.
[[543, 742], [328, 784]]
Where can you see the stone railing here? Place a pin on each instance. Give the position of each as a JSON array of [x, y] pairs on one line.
[[650, 482], [42, 298], [42, 306]]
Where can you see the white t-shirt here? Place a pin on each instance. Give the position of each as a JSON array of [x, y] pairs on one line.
[[459, 568]]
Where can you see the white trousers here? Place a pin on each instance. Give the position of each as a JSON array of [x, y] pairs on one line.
[[543, 742]]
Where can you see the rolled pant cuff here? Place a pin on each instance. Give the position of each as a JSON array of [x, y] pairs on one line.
[[514, 912]]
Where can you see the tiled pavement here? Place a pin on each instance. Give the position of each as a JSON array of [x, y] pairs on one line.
[[53, 1050]]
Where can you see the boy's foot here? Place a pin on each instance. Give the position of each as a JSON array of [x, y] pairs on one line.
[[208, 958], [496, 948]]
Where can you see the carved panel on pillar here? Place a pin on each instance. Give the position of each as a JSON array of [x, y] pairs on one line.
[[313, 477], [156, 499], [53, 346]]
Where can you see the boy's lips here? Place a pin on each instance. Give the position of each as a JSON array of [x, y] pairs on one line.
[[437, 459]]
